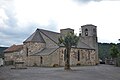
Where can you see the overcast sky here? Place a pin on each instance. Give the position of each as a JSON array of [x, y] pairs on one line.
[[20, 18]]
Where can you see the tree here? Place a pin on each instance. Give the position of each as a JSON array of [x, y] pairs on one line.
[[115, 54], [104, 50], [70, 40], [114, 51]]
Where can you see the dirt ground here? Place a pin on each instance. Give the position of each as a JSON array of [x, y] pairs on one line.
[[100, 72]]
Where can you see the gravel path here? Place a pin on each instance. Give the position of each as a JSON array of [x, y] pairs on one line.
[[100, 72]]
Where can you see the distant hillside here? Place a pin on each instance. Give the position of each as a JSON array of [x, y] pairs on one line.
[[104, 50], [1, 51]]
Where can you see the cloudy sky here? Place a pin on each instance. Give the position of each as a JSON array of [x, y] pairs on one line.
[[20, 18]]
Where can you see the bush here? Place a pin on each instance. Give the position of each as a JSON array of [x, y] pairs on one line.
[[35, 65], [78, 64], [55, 65]]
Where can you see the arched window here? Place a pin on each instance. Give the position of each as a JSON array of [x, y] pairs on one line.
[[94, 31], [62, 51], [41, 60], [65, 55], [78, 55], [26, 51], [86, 32]]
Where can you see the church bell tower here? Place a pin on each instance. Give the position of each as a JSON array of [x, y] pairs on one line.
[[89, 36]]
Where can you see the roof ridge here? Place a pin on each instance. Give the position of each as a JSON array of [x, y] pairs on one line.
[[35, 37], [29, 37], [13, 48], [86, 44], [44, 32], [47, 49], [48, 31], [40, 35]]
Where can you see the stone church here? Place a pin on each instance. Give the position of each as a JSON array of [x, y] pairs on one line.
[[41, 48]]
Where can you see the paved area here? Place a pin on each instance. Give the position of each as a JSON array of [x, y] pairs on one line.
[[100, 72]]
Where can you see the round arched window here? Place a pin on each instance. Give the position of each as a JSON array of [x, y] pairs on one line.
[[86, 32]]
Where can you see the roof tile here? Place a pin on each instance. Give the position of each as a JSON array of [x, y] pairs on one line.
[[35, 37], [14, 48]]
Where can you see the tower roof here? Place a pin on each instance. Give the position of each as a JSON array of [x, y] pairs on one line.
[[88, 25], [35, 37]]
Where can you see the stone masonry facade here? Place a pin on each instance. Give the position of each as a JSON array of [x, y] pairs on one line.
[[42, 49]]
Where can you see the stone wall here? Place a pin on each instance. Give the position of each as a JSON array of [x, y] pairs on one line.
[[8, 56], [14, 56], [32, 47], [54, 58], [33, 61], [66, 31], [86, 57], [47, 60]]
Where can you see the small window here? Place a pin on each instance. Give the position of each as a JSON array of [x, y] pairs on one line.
[[78, 55], [62, 51], [65, 55], [86, 32], [41, 60], [94, 31], [26, 51]]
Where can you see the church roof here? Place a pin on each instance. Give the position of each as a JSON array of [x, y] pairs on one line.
[[35, 37], [13, 48], [46, 51], [51, 35], [83, 45]]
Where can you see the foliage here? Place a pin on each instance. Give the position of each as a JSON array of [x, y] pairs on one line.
[[1, 51], [104, 50], [68, 41], [114, 51]]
